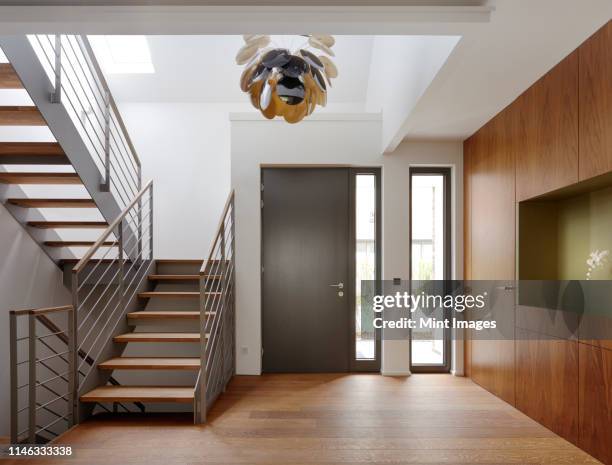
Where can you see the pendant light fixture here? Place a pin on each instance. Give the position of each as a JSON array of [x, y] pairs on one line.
[[284, 82]]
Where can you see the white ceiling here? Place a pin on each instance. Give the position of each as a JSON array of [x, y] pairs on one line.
[[203, 69], [506, 45]]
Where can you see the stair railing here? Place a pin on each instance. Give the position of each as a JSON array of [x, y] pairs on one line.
[[42, 369], [42, 373], [78, 83], [104, 282], [217, 316]]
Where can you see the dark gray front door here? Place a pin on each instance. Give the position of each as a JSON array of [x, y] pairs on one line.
[[305, 251]]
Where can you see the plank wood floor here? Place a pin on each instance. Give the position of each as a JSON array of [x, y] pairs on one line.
[[329, 419]]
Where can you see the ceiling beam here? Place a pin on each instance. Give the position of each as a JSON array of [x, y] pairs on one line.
[[236, 19]]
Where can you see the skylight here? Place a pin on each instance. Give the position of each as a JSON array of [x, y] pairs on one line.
[[123, 54]]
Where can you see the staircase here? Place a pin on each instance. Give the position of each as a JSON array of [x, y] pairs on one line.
[[139, 331], [170, 315]]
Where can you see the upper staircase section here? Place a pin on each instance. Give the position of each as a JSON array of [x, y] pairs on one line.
[[89, 161]]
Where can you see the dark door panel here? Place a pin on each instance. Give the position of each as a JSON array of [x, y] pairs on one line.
[[305, 237]]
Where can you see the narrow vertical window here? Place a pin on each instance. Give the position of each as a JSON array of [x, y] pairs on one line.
[[430, 260], [365, 263]]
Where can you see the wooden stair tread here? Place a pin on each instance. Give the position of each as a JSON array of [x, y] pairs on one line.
[[180, 260], [76, 243], [157, 337], [174, 277], [148, 295], [40, 178], [151, 363], [53, 203], [32, 153], [21, 116], [68, 224], [166, 315], [9, 78], [175, 394]]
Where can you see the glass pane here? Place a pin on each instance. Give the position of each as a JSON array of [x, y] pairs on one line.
[[428, 260], [365, 263]]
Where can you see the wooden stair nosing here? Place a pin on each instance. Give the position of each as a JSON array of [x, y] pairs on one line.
[[9, 78], [77, 244], [32, 153], [170, 394], [52, 203], [21, 116], [157, 337], [43, 149], [174, 277], [39, 178], [170, 294], [151, 363], [166, 315], [68, 224]]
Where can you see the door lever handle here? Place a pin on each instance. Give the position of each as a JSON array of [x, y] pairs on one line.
[[339, 285]]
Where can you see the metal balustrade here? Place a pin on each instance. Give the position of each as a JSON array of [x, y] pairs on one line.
[[217, 316], [79, 84], [42, 368], [104, 284]]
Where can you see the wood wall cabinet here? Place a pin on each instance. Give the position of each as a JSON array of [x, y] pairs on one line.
[[596, 402], [596, 104], [491, 216], [547, 381], [556, 134], [547, 142]]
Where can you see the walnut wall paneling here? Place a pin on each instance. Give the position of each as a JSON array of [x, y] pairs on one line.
[[492, 236], [596, 103], [596, 401], [547, 382], [547, 146]]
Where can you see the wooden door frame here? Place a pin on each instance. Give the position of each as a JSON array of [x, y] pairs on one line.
[[354, 365], [445, 171]]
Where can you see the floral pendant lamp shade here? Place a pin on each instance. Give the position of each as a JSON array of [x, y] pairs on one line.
[[283, 82]]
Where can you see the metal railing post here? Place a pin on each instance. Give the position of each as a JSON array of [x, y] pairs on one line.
[[203, 349], [56, 95], [151, 235], [233, 282], [121, 262], [107, 158], [223, 302], [73, 342], [72, 368], [32, 378], [14, 381]]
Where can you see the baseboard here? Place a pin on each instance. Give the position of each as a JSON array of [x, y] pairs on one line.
[[395, 373]]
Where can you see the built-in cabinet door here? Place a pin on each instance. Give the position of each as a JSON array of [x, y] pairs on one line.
[[596, 401], [492, 229], [596, 104], [547, 146], [547, 381]]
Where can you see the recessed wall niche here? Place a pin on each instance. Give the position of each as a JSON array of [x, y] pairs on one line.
[[559, 233]]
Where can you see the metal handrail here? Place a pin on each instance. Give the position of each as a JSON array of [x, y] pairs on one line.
[[217, 315], [109, 230]]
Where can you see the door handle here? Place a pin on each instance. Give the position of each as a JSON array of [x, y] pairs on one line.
[[339, 285]]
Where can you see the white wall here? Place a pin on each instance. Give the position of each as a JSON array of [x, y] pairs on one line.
[[28, 279], [401, 70], [326, 139], [185, 149]]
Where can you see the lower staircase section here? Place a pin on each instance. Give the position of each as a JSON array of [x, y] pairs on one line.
[[164, 339]]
